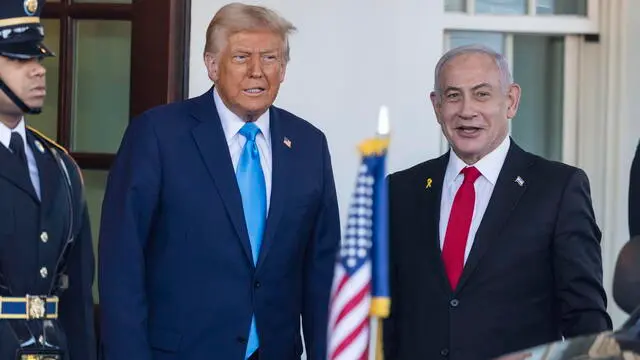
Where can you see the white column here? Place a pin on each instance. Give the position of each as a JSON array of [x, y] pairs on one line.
[[602, 132]]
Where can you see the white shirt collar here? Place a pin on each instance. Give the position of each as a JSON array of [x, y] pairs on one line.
[[231, 123], [5, 133], [489, 166]]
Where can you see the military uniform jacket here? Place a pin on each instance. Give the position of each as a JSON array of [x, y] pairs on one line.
[[33, 234]]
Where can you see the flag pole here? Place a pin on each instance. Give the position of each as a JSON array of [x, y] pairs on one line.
[[380, 302]]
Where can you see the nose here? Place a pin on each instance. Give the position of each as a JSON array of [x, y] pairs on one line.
[[467, 110], [38, 70], [255, 67]]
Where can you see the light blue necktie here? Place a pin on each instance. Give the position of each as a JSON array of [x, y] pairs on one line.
[[254, 202]]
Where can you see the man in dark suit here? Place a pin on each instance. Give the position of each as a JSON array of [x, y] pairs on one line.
[[634, 195], [493, 249], [46, 252], [220, 223]]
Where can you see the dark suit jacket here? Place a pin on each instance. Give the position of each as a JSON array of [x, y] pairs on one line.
[[177, 280], [634, 195], [534, 273], [23, 253]]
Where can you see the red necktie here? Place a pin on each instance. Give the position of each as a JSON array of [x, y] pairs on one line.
[[455, 239]]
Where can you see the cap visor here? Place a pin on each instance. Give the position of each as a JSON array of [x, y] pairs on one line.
[[25, 50]]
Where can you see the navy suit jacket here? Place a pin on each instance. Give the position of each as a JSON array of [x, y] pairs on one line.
[[177, 280]]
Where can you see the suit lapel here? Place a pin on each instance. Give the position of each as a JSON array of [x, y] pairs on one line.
[[48, 173], [210, 140], [12, 170], [506, 194], [281, 158], [429, 220]]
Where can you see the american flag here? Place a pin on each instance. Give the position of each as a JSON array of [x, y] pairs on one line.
[[351, 291]]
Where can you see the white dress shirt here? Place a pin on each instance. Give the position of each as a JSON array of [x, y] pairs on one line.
[[5, 138], [231, 124], [489, 166]]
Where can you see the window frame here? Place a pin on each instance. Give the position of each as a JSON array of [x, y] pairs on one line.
[[159, 31], [529, 23]]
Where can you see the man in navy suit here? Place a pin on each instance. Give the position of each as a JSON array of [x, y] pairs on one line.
[[220, 222]]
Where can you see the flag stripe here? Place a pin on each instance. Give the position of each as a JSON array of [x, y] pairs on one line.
[[354, 301], [341, 283], [350, 322], [356, 345], [356, 283]]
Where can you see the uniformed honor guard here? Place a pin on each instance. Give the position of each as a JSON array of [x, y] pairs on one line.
[[46, 256]]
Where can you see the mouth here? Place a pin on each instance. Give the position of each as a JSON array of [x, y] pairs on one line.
[[468, 131], [254, 91], [39, 91]]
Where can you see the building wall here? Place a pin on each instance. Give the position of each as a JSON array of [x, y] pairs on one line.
[[350, 57]]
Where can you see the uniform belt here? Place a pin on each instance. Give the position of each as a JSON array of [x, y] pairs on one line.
[[29, 307]]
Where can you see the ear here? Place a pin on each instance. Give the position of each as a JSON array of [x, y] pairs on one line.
[[211, 63], [437, 104], [513, 100], [283, 72]]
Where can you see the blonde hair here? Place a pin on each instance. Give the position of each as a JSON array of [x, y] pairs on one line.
[[236, 17]]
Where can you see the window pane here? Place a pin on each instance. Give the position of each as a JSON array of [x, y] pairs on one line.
[[47, 121], [509, 7], [95, 182], [538, 65], [492, 40], [103, 1], [455, 5], [102, 84], [561, 7]]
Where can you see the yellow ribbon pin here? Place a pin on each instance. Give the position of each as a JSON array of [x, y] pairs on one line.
[[429, 181]]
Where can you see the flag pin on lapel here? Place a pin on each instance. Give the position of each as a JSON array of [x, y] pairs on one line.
[[429, 181], [287, 142], [519, 181]]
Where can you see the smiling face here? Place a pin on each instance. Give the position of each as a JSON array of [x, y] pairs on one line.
[[248, 71], [26, 78], [473, 107]]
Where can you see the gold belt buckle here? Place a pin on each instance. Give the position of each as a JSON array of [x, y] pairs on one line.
[[36, 309], [40, 357], [39, 354]]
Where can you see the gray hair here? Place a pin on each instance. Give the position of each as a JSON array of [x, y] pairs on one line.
[[236, 17], [501, 62]]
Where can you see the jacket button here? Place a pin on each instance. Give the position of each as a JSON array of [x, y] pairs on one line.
[[44, 272], [444, 352], [454, 303], [257, 284], [44, 237]]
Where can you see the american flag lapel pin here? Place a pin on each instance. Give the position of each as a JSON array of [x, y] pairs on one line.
[[519, 181], [287, 142]]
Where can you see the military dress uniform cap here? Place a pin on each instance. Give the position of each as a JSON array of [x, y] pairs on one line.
[[21, 32]]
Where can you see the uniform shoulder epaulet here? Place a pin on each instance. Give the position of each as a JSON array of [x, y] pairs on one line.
[[48, 140]]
